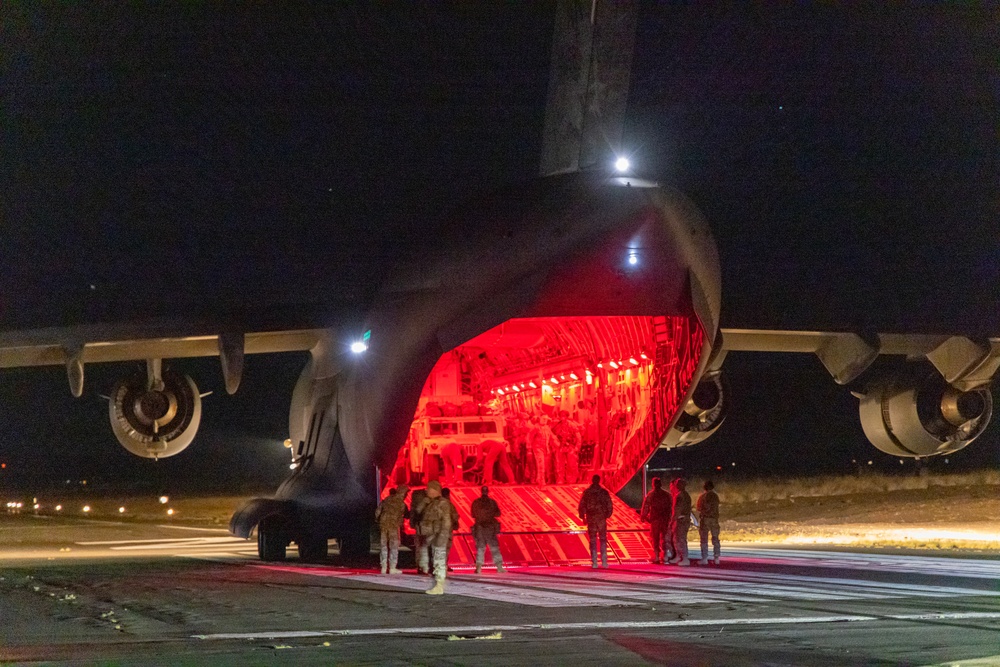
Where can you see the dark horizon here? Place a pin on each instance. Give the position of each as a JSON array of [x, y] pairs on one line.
[[173, 158]]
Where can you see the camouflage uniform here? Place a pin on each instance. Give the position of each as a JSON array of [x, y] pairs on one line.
[[657, 508], [485, 530], [708, 523], [419, 542], [680, 523], [438, 518], [389, 516], [595, 509], [540, 443], [567, 434]]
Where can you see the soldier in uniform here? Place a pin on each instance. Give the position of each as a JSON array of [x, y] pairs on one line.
[[541, 443], [420, 545], [567, 435], [595, 509], [453, 457], [492, 453], [389, 515], [657, 508], [485, 530], [708, 522], [438, 518], [680, 523]]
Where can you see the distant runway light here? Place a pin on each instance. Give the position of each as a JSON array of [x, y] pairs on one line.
[[86, 508], [59, 508], [357, 347], [121, 510], [164, 500], [622, 164], [170, 512]]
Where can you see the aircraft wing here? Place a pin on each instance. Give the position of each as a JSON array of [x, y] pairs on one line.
[[76, 346], [964, 363]]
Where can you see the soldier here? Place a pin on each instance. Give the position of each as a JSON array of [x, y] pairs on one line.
[[595, 509], [446, 494], [492, 452], [656, 511], [389, 515], [680, 523], [567, 434], [708, 522], [540, 445], [420, 545], [438, 519], [522, 429], [453, 457], [485, 530]]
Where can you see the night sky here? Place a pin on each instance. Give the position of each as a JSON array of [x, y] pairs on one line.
[[178, 159]]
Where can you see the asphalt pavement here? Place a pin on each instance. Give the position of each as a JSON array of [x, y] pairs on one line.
[[75, 591]]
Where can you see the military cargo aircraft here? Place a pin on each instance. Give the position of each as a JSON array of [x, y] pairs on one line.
[[590, 290]]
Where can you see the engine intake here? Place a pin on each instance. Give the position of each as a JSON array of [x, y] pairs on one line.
[[159, 421], [916, 414], [702, 415]]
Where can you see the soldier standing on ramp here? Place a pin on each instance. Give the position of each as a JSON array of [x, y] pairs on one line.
[[595, 509], [485, 511], [708, 522], [389, 515], [656, 511]]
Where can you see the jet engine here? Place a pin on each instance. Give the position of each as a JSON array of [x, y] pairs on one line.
[[917, 413], [155, 418], [702, 415]]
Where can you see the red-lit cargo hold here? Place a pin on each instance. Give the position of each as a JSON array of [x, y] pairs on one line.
[[538, 401]]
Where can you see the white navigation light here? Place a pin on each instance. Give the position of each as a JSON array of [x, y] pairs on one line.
[[622, 165], [359, 346], [633, 258]]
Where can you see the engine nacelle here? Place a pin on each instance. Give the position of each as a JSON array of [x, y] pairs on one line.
[[155, 422], [917, 414], [703, 413]]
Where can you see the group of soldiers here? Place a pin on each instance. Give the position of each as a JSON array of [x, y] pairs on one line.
[[549, 448], [434, 519], [669, 517]]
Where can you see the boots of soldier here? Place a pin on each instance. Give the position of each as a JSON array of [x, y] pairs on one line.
[[438, 588], [384, 565], [479, 568]]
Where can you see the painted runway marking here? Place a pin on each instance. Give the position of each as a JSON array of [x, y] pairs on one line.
[[603, 625], [930, 565], [567, 587], [185, 543]]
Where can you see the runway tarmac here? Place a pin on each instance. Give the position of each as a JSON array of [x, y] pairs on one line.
[[83, 592]]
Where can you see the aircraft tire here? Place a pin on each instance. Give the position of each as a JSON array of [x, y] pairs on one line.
[[272, 542]]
